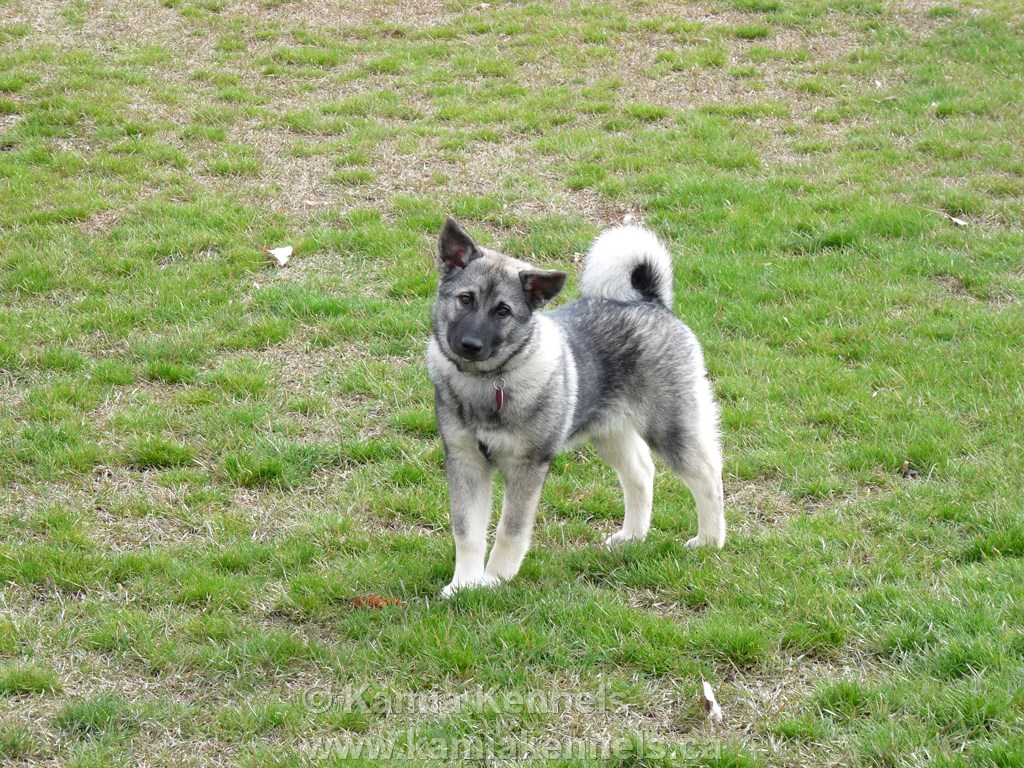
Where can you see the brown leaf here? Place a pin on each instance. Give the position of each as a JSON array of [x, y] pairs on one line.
[[373, 601], [907, 471]]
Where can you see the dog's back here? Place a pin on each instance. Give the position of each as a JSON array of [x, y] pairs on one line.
[[635, 360]]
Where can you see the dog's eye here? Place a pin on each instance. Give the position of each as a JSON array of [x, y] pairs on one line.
[[465, 299], [503, 310]]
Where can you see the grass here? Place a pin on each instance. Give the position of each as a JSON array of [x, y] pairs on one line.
[[204, 457]]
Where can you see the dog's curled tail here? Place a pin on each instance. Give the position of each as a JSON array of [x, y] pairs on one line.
[[628, 263]]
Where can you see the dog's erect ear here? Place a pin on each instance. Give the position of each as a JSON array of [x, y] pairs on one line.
[[455, 248], [541, 286]]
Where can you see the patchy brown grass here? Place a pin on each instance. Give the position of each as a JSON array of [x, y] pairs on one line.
[[298, 186]]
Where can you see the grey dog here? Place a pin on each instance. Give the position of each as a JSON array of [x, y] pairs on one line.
[[514, 386]]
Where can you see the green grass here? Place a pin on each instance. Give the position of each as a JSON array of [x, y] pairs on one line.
[[204, 457], [21, 679]]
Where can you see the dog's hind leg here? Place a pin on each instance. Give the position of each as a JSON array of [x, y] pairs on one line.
[[698, 462], [687, 439], [703, 476], [523, 484], [630, 457], [469, 477]]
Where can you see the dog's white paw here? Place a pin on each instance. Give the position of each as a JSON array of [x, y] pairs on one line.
[[483, 580], [619, 538], [705, 541]]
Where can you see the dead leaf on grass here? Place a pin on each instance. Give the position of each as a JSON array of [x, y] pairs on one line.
[[373, 601], [954, 219], [711, 705], [907, 471], [280, 255]]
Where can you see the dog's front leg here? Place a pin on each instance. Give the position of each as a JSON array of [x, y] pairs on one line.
[[523, 484], [469, 486]]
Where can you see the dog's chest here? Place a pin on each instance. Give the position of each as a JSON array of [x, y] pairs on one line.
[[488, 404]]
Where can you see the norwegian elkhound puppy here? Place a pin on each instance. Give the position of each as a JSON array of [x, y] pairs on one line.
[[514, 385]]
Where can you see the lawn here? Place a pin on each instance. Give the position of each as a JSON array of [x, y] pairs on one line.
[[205, 457]]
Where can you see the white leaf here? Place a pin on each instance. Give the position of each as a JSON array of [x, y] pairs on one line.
[[711, 705], [280, 255], [955, 220]]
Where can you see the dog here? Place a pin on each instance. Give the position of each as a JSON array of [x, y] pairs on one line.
[[515, 385]]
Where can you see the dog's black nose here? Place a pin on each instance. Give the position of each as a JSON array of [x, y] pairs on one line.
[[471, 346]]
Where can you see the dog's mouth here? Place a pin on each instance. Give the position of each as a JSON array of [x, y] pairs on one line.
[[481, 363]]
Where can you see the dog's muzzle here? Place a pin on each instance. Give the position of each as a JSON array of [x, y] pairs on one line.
[[471, 348]]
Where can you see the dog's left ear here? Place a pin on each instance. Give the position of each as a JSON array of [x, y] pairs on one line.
[[541, 286], [456, 248]]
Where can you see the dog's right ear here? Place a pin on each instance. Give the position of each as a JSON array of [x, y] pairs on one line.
[[455, 248]]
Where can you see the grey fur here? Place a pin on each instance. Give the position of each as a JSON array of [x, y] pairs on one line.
[[626, 374]]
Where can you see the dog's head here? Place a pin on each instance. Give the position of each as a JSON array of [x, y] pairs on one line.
[[485, 301]]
